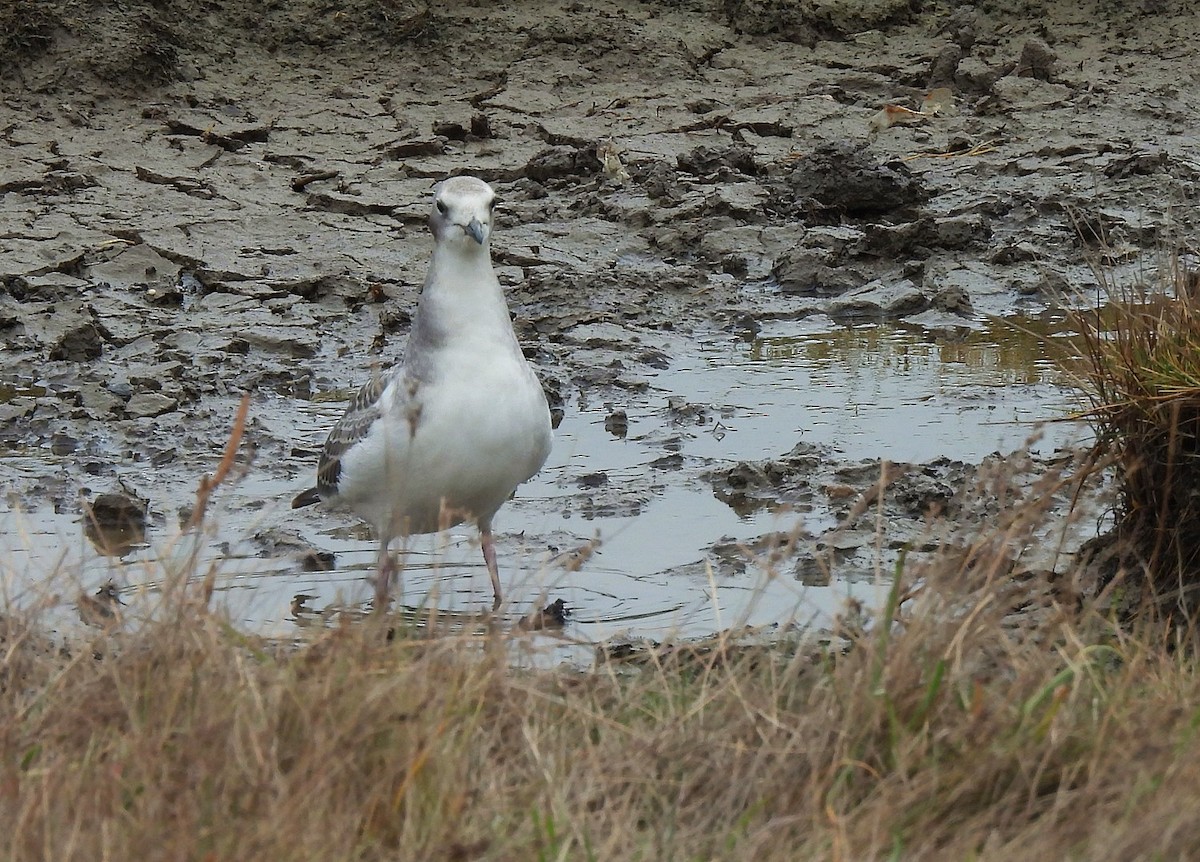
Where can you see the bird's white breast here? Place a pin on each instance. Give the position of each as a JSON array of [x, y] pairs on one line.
[[451, 449]]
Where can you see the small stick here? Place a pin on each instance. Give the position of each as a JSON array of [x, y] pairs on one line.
[[303, 180], [208, 484]]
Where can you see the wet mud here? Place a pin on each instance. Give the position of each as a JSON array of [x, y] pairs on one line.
[[196, 203]]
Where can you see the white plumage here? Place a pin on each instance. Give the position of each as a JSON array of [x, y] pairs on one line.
[[449, 434]]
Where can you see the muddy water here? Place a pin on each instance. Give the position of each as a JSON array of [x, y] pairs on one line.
[[663, 541]]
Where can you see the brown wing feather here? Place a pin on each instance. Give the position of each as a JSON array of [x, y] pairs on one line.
[[352, 427]]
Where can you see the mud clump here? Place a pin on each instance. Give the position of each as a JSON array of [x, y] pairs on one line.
[[1037, 61], [748, 486], [313, 22], [80, 344], [719, 163], [559, 163], [839, 179], [807, 21], [26, 30], [115, 522]]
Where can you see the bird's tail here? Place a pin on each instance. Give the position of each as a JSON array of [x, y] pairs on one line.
[[306, 498]]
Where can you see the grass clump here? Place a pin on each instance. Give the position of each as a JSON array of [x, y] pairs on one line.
[[1141, 372], [937, 729]]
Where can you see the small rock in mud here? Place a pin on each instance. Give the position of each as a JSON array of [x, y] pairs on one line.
[[684, 411], [953, 299], [63, 444], [101, 610], [812, 571], [149, 404], [592, 480], [974, 75], [878, 300], [751, 485], [83, 343], [660, 181], [553, 616], [673, 461], [99, 401], [928, 492], [815, 272], [944, 68], [805, 22], [963, 26], [960, 231], [744, 326], [481, 127], [313, 560], [763, 554], [449, 129], [770, 18], [1037, 61], [1052, 284], [281, 542], [164, 294], [843, 539], [617, 423], [715, 163]]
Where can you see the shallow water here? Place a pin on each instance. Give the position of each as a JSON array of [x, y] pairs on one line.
[[868, 392], [883, 391]]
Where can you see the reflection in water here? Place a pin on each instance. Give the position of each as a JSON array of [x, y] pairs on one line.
[[1003, 350], [115, 523], [10, 392]]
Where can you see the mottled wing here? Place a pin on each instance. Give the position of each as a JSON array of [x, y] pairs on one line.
[[355, 424]]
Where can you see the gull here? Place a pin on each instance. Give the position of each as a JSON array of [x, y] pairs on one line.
[[446, 436]]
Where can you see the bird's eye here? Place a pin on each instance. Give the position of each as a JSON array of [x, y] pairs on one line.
[[441, 205], [492, 205]]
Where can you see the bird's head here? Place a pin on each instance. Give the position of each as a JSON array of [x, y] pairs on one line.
[[462, 211]]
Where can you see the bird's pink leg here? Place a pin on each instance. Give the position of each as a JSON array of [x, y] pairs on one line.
[[489, 558], [383, 577]]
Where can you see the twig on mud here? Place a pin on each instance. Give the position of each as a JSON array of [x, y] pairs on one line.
[[303, 180]]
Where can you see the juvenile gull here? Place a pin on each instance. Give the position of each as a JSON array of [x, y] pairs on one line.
[[447, 435]]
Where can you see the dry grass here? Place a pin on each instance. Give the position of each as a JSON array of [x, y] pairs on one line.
[[957, 731]]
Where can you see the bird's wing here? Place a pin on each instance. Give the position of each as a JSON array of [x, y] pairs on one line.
[[354, 425]]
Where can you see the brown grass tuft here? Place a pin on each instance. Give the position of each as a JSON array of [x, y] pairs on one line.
[[977, 715], [1141, 358]]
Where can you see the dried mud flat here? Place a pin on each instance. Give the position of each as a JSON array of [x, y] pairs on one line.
[[205, 199]]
